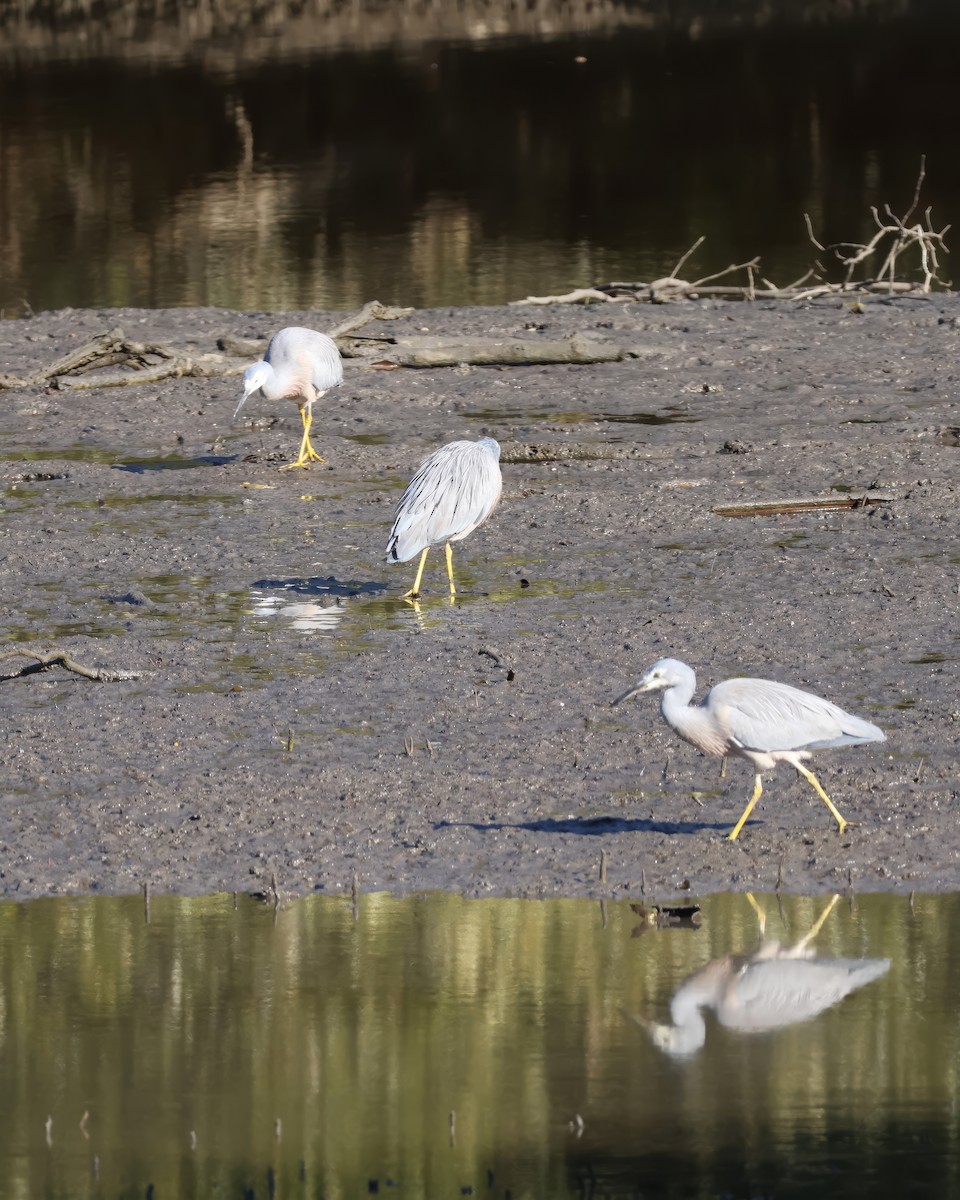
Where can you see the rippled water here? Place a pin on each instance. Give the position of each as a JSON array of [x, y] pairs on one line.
[[439, 1047], [270, 174]]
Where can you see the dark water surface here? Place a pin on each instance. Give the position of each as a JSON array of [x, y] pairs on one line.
[[427, 1046], [264, 175]]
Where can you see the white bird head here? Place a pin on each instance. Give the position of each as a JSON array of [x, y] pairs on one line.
[[665, 673], [254, 377]]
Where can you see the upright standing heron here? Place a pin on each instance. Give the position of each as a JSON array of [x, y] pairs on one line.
[[300, 364], [453, 492], [757, 719]]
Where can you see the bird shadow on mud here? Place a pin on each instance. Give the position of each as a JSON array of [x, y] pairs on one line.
[[590, 826], [321, 587]]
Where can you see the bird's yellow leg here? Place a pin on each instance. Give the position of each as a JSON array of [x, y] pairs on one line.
[[757, 789], [307, 453], [812, 779], [761, 915], [449, 550], [818, 925], [415, 590]]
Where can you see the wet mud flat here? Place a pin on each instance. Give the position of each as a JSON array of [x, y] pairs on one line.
[[295, 721]]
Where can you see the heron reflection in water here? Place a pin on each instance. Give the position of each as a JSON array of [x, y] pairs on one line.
[[771, 988]]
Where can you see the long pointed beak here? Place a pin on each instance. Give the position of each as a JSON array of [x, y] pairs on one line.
[[243, 400], [628, 694]]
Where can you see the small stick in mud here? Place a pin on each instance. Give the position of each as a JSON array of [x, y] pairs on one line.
[[603, 866], [43, 661]]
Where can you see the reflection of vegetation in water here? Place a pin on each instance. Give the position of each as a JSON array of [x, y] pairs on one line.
[[362, 1032], [289, 192]]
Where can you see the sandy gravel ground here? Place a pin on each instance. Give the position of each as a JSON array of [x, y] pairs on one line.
[[297, 720]]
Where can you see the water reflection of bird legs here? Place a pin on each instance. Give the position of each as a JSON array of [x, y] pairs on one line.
[[798, 949], [769, 988]]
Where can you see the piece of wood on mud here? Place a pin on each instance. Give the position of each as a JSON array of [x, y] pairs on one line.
[[774, 508], [45, 660], [426, 352]]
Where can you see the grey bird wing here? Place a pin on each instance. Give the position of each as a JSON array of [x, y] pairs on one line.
[[296, 350], [762, 715], [327, 363], [453, 492], [776, 992]]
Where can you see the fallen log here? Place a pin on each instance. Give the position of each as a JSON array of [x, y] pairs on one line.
[[489, 352], [777, 508]]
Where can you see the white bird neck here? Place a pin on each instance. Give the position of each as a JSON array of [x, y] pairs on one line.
[[689, 1030], [268, 386], [675, 701]]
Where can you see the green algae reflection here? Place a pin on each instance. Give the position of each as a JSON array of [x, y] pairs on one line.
[[419, 1047]]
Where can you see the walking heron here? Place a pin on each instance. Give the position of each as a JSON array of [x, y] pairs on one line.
[[757, 719]]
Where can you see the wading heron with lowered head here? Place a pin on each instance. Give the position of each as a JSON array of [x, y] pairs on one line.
[[300, 364], [757, 719], [769, 988], [452, 493]]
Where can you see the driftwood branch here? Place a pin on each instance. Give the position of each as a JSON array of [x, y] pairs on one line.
[[577, 296], [60, 658], [147, 362], [895, 237], [777, 508], [440, 352], [373, 310]]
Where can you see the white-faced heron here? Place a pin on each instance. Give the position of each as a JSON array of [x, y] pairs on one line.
[[757, 719], [453, 492], [770, 988], [300, 364]]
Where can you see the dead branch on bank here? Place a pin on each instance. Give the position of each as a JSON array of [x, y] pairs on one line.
[[43, 661], [895, 237], [373, 310], [149, 362], [505, 351]]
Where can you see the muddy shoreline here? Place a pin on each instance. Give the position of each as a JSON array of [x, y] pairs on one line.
[[297, 721]]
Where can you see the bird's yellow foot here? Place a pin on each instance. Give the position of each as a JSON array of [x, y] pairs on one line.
[[303, 461]]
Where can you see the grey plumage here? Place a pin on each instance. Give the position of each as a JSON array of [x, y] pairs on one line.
[[759, 720], [300, 364], [454, 491], [770, 988]]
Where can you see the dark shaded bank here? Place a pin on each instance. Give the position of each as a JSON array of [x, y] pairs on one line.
[[296, 719]]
